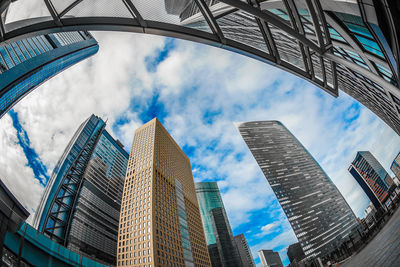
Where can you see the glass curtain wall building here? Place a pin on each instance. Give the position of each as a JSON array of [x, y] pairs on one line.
[[395, 167], [81, 203], [27, 63], [219, 237], [372, 177], [318, 213], [160, 222]]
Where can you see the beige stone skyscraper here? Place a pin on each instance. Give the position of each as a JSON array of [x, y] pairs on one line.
[[160, 223]]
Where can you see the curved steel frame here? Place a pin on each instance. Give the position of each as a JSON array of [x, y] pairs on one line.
[[322, 63]]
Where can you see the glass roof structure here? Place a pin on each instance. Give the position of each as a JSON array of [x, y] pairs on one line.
[[352, 45]]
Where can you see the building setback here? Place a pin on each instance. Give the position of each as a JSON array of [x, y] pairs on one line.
[[372, 178], [81, 203], [318, 213], [27, 63], [244, 250], [160, 223], [269, 258], [219, 237]]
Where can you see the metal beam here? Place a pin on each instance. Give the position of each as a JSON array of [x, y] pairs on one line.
[[210, 19], [274, 21], [135, 13], [53, 12], [350, 39]]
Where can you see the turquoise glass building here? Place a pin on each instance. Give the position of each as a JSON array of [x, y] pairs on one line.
[[219, 238], [209, 198]]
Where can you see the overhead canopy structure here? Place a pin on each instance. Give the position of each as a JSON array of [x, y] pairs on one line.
[[349, 45]]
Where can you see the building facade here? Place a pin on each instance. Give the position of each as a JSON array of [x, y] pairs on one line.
[[319, 215], [244, 250], [160, 223], [27, 63], [81, 203], [372, 177], [395, 167], [216, 226], [295, 253], [269, 258]]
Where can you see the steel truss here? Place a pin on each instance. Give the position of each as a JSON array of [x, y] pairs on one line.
[[62, 207], [299, 41]]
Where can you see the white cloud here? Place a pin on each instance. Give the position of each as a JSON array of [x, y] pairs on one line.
[[14, 169]]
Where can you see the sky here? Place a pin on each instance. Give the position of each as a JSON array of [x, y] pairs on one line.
[[197, 92]]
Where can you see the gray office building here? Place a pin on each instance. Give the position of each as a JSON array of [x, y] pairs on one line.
[[269, 258], [81, 204], [244, 250], [219, 237], [318, 213]]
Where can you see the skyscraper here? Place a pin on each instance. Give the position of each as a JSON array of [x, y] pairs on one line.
[[395, 167], [317, 212], [160, 222], [295, 253], [270, 258], [81, 203], [27, 63], [244, 250], [219, 237], [372, 177]]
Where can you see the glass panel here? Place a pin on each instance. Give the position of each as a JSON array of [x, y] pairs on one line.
[[38, 45], [60, 5], [184, 12], [101, 8], [288, 48], [33, 45], [6, 57], [23, 49], [29, 48], [243, 28], [12, 54], [18, 51]]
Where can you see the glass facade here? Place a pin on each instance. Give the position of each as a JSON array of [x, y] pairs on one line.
[[319, 215], [81, 204], [372, 177], [209, 198], [27, 63], [216, 226], [395, 167]]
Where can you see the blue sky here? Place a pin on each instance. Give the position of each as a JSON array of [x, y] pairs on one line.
[[197, 92]]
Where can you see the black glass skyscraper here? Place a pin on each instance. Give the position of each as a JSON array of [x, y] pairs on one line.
[[27, 63], [317, 212], [81, 204]]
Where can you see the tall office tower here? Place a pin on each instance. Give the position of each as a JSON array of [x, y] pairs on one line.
[[244, 250], [219, 237], [160, 222], [81, 203], [395, 167], [317, 212], [27, 63], [372, 178], [269, 258], [295, 252]]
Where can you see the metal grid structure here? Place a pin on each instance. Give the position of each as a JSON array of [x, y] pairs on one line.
[[348, 45]]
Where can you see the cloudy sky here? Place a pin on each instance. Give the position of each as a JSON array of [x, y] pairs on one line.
[[197, 92]]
